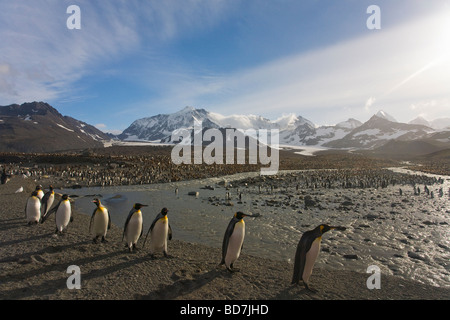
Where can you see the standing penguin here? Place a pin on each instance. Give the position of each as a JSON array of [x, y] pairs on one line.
[[307, 251], [233, 240], [100, 221], [63, 214], [33, 209], [47, 200], [132, 230], [40, 192], [160, 231]]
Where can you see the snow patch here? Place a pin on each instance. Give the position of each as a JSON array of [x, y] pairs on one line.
[[61, 126]]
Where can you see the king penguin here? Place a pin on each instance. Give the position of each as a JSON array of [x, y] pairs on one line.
[[47, 200], [33, 209], [233, 240], [160, 231], [132, 230], [100, 221], [307, 251], [63, 214]]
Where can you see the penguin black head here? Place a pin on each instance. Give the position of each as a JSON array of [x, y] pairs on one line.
[[38, 187], [138, 206], [96, 201], [164, 211], [240, 215], [65, 197], [34, 194], [50, 188]]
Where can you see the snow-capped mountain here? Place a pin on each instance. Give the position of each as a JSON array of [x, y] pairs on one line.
[[421, 121], [38, 127], [308, 134], [294, 130], [162, 125], [441, 123], [377, 131], [438, 124], [383, 115]]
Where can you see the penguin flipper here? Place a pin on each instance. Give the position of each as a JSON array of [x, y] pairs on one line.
[[52, 210], [109, 221], [158, 216], [44, 200], [300, 256], [127, 221], [226, 238], [169, 234], [92, 220]]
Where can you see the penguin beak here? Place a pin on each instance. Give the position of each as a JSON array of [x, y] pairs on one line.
[[338, 228], [252, 215]]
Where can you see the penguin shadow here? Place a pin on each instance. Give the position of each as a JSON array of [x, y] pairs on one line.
[[21, 240], [11, 224], [295, 292], [185, 282]]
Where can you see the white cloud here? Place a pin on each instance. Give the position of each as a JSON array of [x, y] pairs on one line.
[[100, 126], [395, 67], [47, 58]]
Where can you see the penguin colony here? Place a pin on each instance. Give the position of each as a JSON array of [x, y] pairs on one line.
[[37, 210]]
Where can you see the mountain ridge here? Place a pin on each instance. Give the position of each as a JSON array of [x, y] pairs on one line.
[[38, 127]]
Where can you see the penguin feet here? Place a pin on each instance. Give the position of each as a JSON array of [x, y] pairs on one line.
[[232, 269], [309, 288], [132, 248], [104, 240]]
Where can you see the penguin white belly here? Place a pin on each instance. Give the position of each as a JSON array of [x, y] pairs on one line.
[[235, 243], [134, 228], [159, 236], [63, 215], [40, 194], [33, 209], [100, 223], [311, 257]]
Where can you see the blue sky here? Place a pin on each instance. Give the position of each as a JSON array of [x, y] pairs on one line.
[[315, 58]]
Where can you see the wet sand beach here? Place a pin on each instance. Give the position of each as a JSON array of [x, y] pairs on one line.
[[34, 262]]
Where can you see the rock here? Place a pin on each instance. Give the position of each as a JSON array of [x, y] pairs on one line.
[[351, 256], [415, 255], [309, 202], [370, 217]]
